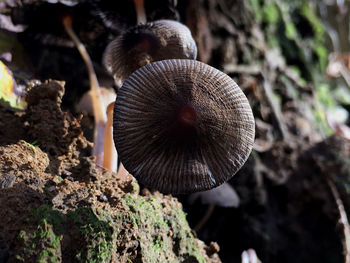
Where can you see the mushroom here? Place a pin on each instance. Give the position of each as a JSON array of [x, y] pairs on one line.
[[182, 126], [110, 157], [98, 107], [140, 11], [145, 43]]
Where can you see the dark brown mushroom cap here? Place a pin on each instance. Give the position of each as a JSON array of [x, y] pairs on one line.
[[142, 44], [182, 126]]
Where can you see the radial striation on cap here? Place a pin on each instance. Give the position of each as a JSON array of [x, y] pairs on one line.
[[182, 126], [145, 43]]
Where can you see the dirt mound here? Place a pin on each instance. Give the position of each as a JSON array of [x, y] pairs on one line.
[[57, 206]]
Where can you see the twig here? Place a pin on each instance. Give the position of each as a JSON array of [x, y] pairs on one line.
[[98, 107], [343, 219], [345, 74], [226, 10], [205, 218], [242, 69], [275, 109]]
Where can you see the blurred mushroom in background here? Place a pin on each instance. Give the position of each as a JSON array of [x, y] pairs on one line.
[[143, 44]]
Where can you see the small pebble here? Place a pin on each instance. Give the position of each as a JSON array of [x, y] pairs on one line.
[[7, 180], [213, 248], [103, 198], [66, 173], [51, 188]]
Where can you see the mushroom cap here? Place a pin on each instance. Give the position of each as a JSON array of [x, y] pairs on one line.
[[145, 43], [182, 126]]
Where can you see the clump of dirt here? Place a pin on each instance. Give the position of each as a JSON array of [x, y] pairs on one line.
[[11, 127], [57, 133], [57, 206]]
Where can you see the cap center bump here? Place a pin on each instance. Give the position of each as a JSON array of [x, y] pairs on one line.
[[145, 45], [187, 116]]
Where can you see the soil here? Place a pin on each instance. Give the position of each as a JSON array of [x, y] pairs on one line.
[[56, 205], [285, 217]]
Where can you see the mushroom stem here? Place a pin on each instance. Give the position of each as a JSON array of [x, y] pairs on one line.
[[122, 173], [110, 157], [98, 107], [140, 11]]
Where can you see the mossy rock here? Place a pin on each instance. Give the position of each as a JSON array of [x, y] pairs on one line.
[[151, 228], [88, 216]]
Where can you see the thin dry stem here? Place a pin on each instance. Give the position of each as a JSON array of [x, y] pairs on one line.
[[98, 107], [275, 109], [205, 218], [343, 219]]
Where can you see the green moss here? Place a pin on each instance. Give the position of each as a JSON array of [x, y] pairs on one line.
[[271, 13], [162, 229], [97, 233], [311, 16], [295, 29], [255, 8], [43, 242], [325, 101], [342, 94], [321, 123], [32, 145], [325, 96]]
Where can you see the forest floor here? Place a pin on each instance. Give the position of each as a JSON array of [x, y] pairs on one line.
[[55, 204]]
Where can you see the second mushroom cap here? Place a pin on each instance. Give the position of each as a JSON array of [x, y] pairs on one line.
[[145, 43]]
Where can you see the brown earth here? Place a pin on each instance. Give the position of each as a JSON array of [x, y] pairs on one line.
[[56, 205]]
